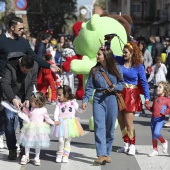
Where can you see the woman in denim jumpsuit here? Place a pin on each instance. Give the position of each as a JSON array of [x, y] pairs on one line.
[[105, 108]]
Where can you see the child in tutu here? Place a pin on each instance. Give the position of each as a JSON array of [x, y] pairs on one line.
[[35, 134], [160, 108], [68, 127]]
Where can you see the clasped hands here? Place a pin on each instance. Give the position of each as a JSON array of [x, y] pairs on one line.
[[147, 104], [57, 123]]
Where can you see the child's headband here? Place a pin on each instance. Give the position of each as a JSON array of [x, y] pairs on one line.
[[34, 91], [104, 47]]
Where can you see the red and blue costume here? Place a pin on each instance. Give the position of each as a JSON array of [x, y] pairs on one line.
[[160, 108]]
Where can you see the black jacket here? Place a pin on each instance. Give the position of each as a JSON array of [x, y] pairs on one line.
[[157, 49], [13, 80], [8, 45]]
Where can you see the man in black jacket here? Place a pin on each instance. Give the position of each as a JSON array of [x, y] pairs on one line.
[[17, 82]]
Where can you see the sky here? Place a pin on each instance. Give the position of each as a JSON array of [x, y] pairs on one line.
[[83, 3]]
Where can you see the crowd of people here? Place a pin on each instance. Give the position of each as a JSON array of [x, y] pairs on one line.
[[141, 65]]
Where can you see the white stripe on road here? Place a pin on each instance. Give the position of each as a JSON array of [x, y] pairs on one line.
[[161, 162], [5, 164], [81, 158]]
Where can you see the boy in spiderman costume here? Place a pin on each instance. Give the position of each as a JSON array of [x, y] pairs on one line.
[[160, 108]]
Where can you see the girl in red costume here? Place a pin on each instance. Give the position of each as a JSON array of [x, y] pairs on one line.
[[48, 79], [160, 108]]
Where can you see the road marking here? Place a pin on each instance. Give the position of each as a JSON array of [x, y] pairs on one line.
[[81, 157], [160, 162], [5, 164]]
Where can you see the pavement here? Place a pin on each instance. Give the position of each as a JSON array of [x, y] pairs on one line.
[[83, 150]]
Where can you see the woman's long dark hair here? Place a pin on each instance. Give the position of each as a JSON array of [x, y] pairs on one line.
[[110, 63], [144, 45]]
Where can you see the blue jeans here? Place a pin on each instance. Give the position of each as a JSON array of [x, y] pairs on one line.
[[10, 123], [105, 111], [2, 122]]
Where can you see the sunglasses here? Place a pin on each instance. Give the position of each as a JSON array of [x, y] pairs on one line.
[[19, 29]]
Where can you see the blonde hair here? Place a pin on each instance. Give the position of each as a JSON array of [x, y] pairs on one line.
[[166, 86], [39, 99]]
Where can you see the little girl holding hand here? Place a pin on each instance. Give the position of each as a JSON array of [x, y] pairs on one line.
[[68, 125], [35, 134]]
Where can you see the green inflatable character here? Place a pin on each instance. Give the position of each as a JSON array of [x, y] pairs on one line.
[[87, 44]]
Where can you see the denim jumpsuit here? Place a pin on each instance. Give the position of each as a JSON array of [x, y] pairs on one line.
[[105, 109]]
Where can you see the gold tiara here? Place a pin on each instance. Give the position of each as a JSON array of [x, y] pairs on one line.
[[128, 44]]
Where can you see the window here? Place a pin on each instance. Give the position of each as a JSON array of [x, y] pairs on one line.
[[136, 8]]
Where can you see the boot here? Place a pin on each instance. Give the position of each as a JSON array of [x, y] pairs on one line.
[[12, 154], [66, 154], [125, 137], [124, 149], [132, 137], [108, 159], [101, 160]]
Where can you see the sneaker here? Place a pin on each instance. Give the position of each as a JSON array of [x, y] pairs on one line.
[[1, 142], [165, 147], [167, 124], [53, 103], [24, 160], [59, 155], [153, 153], [12, 154], [37, 161], [65, 159], [131, 150], [124, 149], [58, 160]]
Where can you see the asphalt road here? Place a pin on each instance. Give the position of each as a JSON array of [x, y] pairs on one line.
[[83, 150]]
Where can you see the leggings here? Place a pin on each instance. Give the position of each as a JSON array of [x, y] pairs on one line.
[[156, 126], [63, 143], [37, 152]]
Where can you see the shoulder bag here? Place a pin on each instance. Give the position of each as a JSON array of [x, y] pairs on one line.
[[120, 100]]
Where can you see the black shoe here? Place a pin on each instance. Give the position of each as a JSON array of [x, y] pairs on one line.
[[12, 154], [22, 152]]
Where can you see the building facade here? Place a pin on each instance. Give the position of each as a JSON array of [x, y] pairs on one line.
[[150, 17]]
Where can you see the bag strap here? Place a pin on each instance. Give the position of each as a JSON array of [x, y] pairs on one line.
[[106, 78]]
